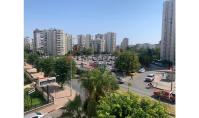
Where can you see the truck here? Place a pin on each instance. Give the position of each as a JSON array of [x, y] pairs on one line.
[[165, 94]]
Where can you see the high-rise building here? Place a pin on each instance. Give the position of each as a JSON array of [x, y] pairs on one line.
[[28, 43], [99, 36], [88, 40], [98, 45], [39, 40], [110, 42], [124, 43], [55, 42], [81, 41], [49, 42], [167, 46], [68, 42]]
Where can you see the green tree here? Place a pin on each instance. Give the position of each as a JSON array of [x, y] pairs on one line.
[[117, 53], [97, 83], [146, 56], [32, 58], [62, 69], [145, 59], [127, 62], [128, 105], [47, 66], [73, 109], [87, 52]]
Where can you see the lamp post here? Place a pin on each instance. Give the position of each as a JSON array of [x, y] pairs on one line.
[[71, 70]]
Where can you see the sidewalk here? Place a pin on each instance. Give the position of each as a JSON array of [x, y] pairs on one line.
[[61, 98], [158, 83]]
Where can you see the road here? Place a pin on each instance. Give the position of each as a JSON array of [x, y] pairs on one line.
[[137, 83]]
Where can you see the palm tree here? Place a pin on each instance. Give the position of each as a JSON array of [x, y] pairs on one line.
[[73, 109], [97, 82]]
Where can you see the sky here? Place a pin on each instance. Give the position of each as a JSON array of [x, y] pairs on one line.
[[138, 20]]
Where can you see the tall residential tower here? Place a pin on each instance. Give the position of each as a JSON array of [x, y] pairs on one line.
[[124, 43], [110, 42], [49, 42], [167, 46]]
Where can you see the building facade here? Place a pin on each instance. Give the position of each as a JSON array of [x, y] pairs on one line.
[[110, 42], [39, 38], [49, 42], [68, 42], [81, 41], [99, 36], [88, 40], [98, 45], [124, 43], [167, 46], [28, 43]]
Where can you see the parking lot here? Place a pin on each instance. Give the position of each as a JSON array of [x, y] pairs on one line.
[[91, 62]]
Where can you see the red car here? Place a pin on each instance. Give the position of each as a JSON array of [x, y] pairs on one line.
[[165, 94]]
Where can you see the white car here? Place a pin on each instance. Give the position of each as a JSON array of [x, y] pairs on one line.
[[34, 115], [149, 79], [150, 75], [142, 70]]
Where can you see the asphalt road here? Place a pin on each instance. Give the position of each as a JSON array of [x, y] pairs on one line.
[[137, 83]]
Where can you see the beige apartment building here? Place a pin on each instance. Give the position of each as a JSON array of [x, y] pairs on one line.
[[110, 42], [49, 42]]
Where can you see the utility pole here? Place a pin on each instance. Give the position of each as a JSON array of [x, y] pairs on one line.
[[71, 70]]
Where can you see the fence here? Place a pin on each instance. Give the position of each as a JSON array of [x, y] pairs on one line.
[[47, 102]]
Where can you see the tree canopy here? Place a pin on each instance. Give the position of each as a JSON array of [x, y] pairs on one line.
[[47, 66], [146, 56], [62, 69], [97, 83], [73, 109], [32, 58], [84, 51], [128, 62], [128, 105]]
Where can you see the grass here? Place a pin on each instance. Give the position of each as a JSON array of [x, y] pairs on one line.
[[36, 97]]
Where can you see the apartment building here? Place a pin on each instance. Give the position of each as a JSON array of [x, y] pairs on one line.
[[49, 42], [110, 42], [167, 46], [124, 43]]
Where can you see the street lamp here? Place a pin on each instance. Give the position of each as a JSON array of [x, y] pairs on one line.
[[71, 70]]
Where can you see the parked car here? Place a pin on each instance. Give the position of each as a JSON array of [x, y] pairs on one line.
[[34, 115], [165, 94], [150, 75], [142, 70], [120, 80], [149, 79]]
